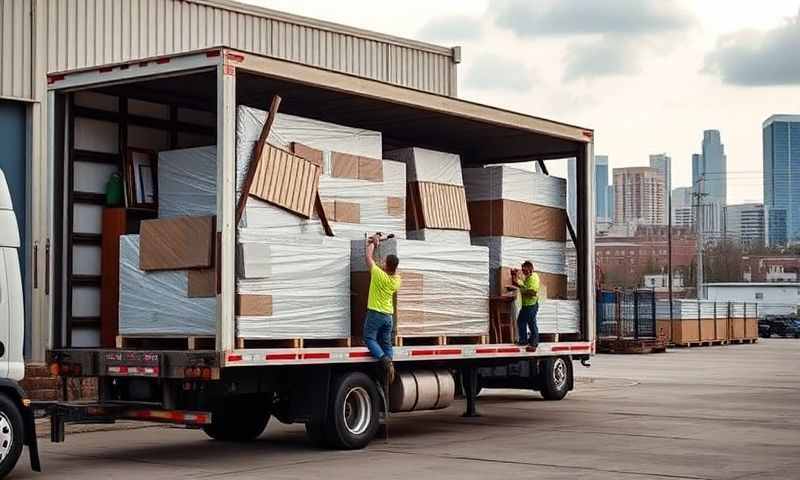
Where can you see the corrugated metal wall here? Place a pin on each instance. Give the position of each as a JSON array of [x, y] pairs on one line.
[[15, 49], [83, 33]]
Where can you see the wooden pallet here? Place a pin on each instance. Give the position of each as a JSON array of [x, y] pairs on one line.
[[630, 345], [407, 341], [743, 340], [701, 343], [242, 343], [165, 342]]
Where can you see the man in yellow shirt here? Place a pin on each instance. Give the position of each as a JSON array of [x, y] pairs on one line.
[[384, 283], [528, 284]]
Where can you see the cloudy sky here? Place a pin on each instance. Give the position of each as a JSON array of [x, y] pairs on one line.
[[648, 75]]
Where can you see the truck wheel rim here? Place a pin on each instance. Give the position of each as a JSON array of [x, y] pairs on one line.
[[6, 436], [357, 411], [559, 373]]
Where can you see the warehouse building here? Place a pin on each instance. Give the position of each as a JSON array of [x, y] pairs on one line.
[[41, 38]]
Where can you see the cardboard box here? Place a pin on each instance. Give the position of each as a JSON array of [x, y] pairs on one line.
[[396, 206], [517, 219], [344, 165], [311, 154], [254, 305], [347, 212], [370, 169], [202, 283], [177, 243]]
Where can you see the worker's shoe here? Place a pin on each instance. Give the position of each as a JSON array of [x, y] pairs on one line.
[[388, 367]]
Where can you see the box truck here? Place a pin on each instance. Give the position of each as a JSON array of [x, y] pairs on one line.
[[227, 386]]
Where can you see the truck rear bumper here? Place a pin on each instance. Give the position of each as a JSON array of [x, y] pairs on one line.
[[61, 413]]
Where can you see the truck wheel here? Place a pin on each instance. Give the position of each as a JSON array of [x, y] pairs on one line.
[[353, 418], [238, 420], [11, 435], [556, 378]]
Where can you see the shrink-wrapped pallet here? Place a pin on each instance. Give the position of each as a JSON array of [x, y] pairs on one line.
[[444, 292], [360, 192], [293, 287], [519, 215], [436, 200], [158, 303], [187, 182], [558, 316]]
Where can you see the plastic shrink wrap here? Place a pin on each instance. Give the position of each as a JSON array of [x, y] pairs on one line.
[[354, 206], [157, 303], [306, 280], [436, 195], [187, 182], [558, 316], [529, 205], [445, 287]]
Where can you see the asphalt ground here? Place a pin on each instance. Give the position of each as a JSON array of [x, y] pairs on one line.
[[728, 412]]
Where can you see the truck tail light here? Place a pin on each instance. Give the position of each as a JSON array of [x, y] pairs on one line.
[[202, 373]]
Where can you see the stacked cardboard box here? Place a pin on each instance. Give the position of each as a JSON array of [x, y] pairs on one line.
[[159, 302], [360, 192], [293, 287], [445, 288], [705, 320], [436, 203], [520, 215]]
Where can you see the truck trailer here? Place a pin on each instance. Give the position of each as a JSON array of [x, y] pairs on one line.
[[228, 388]]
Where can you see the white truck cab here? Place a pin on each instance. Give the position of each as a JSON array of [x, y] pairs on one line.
[[12, 316], [16, 417]]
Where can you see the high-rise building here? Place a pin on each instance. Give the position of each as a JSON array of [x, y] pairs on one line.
[[610, 202], [697, 167], [601, 187], [572, 191], [714, 168], [745, 224], [682, 210], [639, 196], [776, 227], [781, 135], [663, 163]]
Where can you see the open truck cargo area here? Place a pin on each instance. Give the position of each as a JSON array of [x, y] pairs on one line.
[[230, 374]]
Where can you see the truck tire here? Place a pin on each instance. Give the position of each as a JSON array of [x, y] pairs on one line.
[[556, 378], [12, 435], [238, 419], [353, 417]]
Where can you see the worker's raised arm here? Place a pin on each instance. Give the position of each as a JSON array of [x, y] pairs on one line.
[[369, 251]]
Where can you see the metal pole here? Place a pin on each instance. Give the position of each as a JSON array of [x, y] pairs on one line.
[[669, 263], [699, 233]]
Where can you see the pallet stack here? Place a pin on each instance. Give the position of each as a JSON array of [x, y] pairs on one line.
[[520, 215], [705, 323], [445, 290]]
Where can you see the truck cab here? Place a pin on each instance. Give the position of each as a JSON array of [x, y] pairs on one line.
[[12, 365], [16, 417]]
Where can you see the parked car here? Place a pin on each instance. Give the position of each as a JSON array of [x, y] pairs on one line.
[[781, 326]]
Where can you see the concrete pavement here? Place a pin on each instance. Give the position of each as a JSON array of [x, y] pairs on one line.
[[704, 413]]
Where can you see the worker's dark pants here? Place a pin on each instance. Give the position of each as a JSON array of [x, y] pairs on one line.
[[378, 333], [527, 321]]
